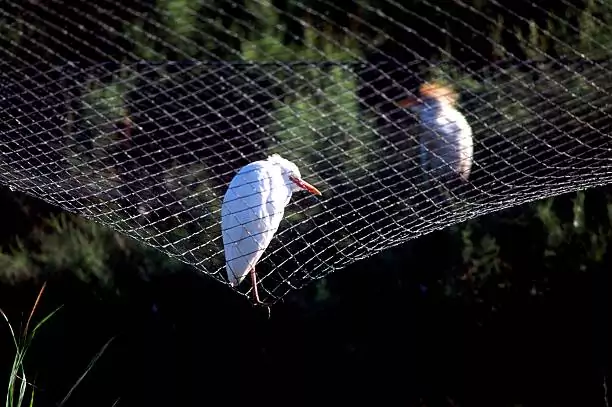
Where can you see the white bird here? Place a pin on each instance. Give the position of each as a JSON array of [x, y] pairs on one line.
[[252, 209], [446, 144]]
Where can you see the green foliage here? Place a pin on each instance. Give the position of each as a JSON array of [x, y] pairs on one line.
[[62, 244], [80, 247], [573, 236], [481, 258], [11, 31], [179, 16], [16, 265], [268, 43], [322, 123], [18, 381], [88, 250], [144, 43], [595, 31]]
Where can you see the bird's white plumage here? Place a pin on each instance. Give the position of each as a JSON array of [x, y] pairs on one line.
[[446, 143], [252, 209]]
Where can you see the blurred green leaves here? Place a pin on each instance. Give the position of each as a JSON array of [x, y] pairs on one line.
[[70, 244]]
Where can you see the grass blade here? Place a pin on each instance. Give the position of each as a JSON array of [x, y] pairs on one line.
[[21, 347], [14, 368], [44, 320], [89, 367], [32, 397], [42, 289]]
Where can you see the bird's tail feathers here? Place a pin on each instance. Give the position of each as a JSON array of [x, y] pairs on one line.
[[234, 279], [464, 175], [465, 168]]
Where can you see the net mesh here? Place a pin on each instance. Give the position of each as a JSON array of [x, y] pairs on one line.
[[95, 118]]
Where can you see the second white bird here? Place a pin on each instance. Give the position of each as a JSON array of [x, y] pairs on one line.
[[446, 144]]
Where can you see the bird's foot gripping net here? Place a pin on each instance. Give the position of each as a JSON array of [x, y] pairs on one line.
[[95, 119]]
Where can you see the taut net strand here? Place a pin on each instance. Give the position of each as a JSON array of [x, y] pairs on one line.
[[95, 118]]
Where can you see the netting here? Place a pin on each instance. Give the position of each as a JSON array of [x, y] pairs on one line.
[[138, 114]]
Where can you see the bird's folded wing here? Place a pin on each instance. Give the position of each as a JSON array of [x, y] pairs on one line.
[[456, 148], [246, 222]]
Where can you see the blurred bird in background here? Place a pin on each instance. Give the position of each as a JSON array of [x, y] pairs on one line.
[[252, 209], [446, 145]]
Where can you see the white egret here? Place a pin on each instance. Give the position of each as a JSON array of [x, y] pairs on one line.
[[252, 209], [446, 144]]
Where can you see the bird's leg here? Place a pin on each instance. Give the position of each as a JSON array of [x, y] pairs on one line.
[[255, 292], [254, 282]]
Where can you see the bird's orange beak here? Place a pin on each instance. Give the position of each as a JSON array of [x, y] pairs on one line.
[[305, 185]]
